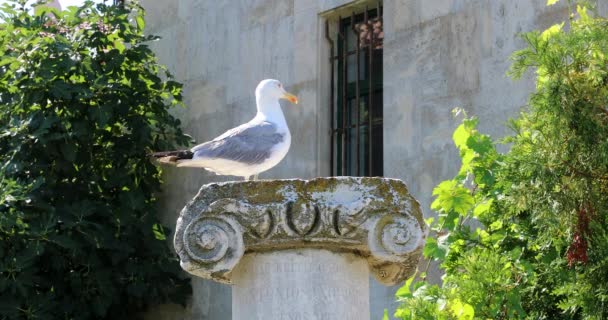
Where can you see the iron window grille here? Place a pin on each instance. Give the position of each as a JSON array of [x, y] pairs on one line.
[[356, 94]]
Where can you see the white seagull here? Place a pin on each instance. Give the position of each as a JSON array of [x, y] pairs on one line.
[[248, 149]]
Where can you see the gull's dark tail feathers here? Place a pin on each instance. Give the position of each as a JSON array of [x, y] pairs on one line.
[[172, 157]]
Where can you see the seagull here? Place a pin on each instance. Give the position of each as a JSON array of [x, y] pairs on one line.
[[248, 149]]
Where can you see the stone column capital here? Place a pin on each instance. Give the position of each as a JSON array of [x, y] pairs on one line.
[[374, 218]]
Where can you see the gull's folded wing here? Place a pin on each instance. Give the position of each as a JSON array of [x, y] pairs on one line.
[[248, 143]]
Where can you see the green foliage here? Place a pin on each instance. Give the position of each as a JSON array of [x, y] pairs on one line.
[[82, 102], [524, 234]]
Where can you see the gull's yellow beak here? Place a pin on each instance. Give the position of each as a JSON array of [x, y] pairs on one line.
[[290, 97]]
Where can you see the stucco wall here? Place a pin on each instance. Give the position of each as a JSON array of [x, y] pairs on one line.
[[438, 54]]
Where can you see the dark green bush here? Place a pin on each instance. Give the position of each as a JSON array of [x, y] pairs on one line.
[[82, 102], [539, 246]]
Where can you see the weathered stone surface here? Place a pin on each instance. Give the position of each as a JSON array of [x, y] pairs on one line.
[[373, 218], [302, 284]]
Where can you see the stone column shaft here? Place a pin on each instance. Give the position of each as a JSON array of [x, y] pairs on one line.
[[300, 285]]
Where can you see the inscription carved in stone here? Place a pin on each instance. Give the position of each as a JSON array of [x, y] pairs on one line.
[[374, 218], [311, 284]]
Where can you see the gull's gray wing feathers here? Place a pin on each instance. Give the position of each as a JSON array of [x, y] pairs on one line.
[[247, 143]]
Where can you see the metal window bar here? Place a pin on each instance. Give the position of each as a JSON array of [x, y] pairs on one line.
[[354, 28], [371, 92], [344, 103], [331, 95], [369, 41]]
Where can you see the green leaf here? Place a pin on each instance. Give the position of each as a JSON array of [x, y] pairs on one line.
[[118, 44], [461, 310], [65, 241], [101, 114], [140, 22], [479, 143], [552, 2], [452, 196], [159, 232], [460, 136], [551, 31], [515, 307], [385, 317], [68, 150], [404, 291], [483, 208], [7, 60], [62, 90], [467, 156], [496, 225], [45, 9], [433, 250], [582, 12]]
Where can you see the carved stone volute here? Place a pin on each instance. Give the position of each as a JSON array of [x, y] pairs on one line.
[[374, 218]]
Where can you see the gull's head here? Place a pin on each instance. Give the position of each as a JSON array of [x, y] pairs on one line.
[[273, 89]]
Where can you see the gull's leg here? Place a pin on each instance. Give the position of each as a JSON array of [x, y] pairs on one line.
[[255, 177]]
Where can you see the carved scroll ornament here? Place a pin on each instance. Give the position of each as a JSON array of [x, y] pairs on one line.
[[374, 218]]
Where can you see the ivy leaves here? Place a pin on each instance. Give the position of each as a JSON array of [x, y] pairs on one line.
[[82, 102]]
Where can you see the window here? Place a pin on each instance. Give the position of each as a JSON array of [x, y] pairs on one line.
[[356, 94]]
